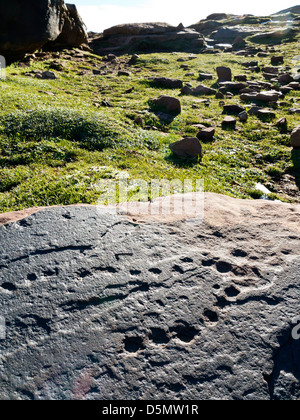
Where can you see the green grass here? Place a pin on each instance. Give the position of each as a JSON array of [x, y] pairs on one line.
[[57, 140]]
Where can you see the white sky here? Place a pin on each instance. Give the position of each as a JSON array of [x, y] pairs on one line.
[[102, 14]]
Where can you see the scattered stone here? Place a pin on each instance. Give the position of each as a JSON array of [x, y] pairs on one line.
[[277, 59], [262, 54], [243, 116], [294, 85], [187, 90], [133, 60], [206, 134], [188, 147], [110, 57], [130, 90], [219, 95], [224, 74], [268, 96], [168, 83], [294, 110], [271, 70], [250, 64], [233, 86], [139, 121], [229, 123], [240, 78], [295, 137], [233, 109], [167, 104], [268, 76], [106, 103], [124, 73], [254, 110], [265, 114], [47, 75], [197, 91], [285, 79], [203, 90], [265, 96], [205, 76], [282, 124], [286, 89]]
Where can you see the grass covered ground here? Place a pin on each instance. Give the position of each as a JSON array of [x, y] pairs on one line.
[[57, 139]]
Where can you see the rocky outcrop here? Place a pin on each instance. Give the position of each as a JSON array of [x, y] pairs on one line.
[[294, 9], [28, 26], [235, 30], [275, 36], [100, 306], [73, 32], [146, 37]]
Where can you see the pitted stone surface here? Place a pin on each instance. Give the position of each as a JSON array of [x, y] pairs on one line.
[[100, 307]]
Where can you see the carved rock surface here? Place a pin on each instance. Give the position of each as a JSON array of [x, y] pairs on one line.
[[103, 306]]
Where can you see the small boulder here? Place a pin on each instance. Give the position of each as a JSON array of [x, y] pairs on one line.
[[295, 137], [167, 104], [282, 124], [268, 96], [205, 76], [124, 73], [240, 78], [206, 134], [197, 91], [219, 95], [270, 70], [277, 59], [233, 109], [266, 114], [243, 116], [133, 60], [188, 147], [229, 123], [239, 42], [294, 110], [204, 90], [254, 110], [168, 83], [224, 74], [233, 86], [139, 121], [285, 79], [47, 75]]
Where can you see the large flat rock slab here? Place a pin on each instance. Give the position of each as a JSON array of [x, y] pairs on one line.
[[102, 306]]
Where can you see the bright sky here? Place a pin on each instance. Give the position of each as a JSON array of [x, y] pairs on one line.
[[102, 14]]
